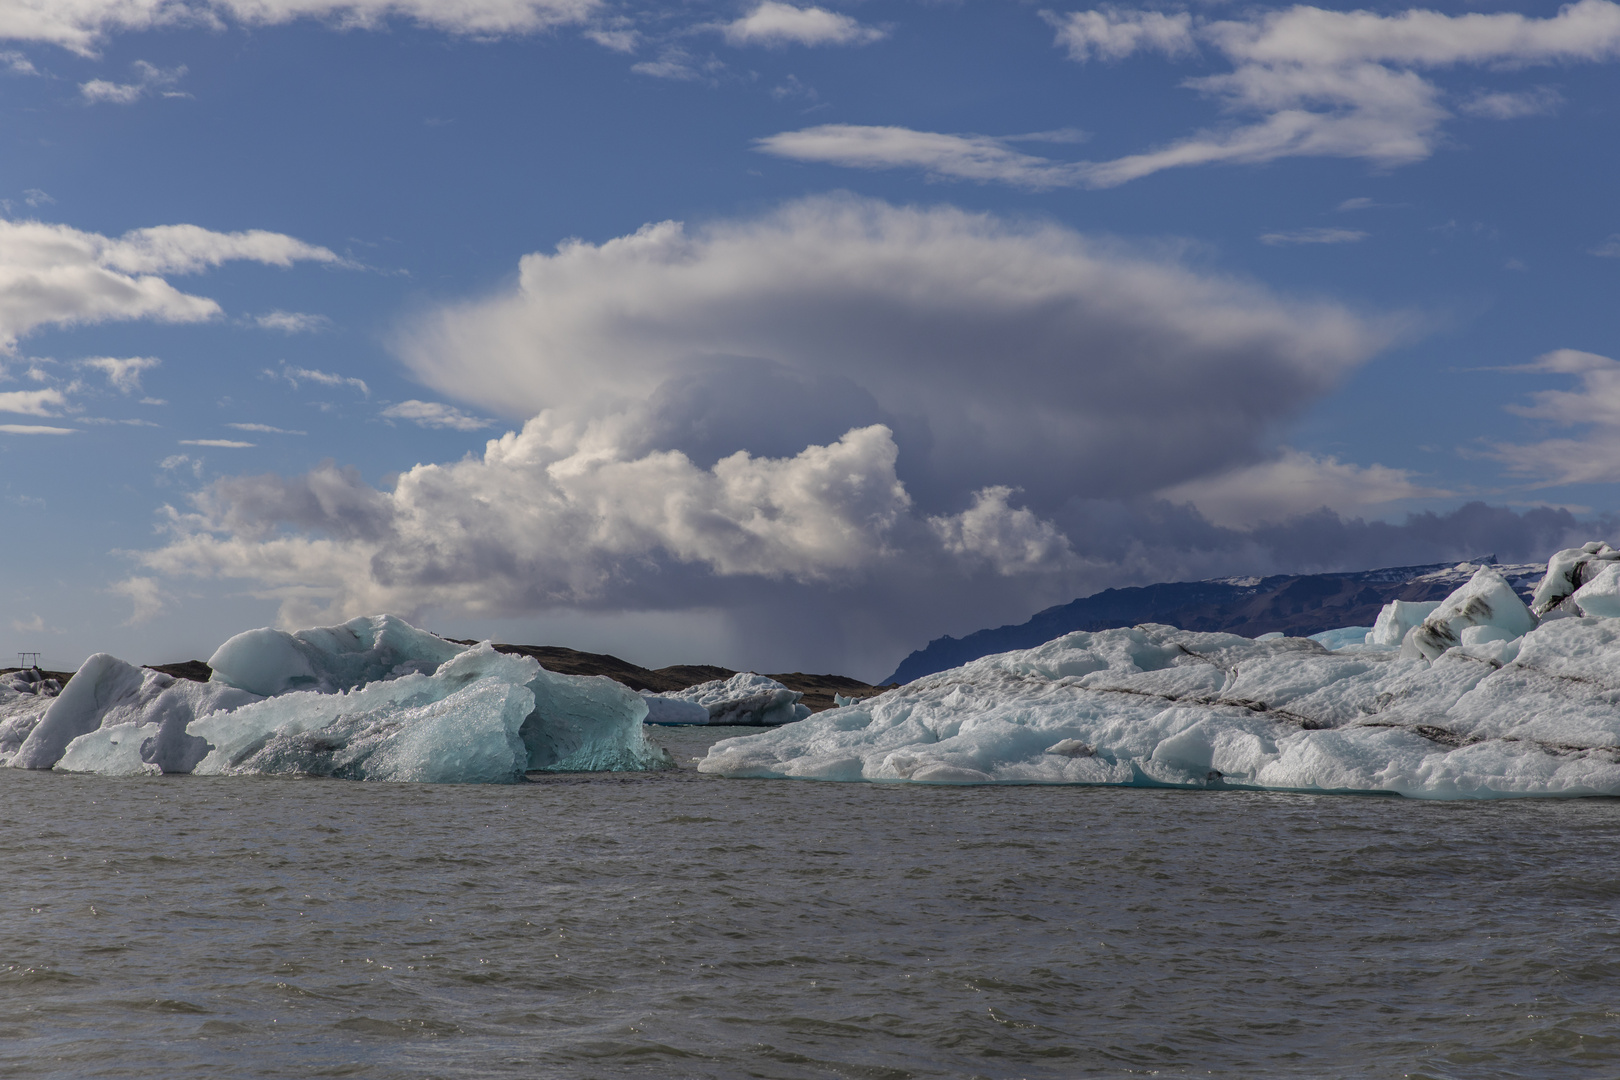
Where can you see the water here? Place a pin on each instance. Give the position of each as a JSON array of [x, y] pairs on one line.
[[679, 925]]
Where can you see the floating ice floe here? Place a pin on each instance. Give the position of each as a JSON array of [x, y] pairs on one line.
[[372, 699], [745, 699], [1472, 699]]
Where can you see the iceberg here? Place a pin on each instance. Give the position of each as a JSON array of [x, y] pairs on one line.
[[1397, 619], [745, 700], [1567, 572], [24, 698], [372, 699], [1485, 609], [1477, 701]]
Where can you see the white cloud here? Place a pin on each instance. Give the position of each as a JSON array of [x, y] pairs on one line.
[[435, 415], [188, 249], [617, 34], [36, 625], [1513, 105], [17, 64], [776, 24], [533, 523], [677, 63], [82, 25], [149, 79], [1011, 540], [146, 596], [963, 157], [1022, 349], [35, 197], [1295, 483], [293, 322], [1312, 236], [789, 413], [1609, 249], [57, 275], [296, 375], [180, 461], [34, 429], [1113, 34], [47, 402], [123, 374], [227, 444], [1593, 406], [266, 429], [1306, 81]]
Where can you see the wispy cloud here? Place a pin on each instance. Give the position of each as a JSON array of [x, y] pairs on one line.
[[16, 63], [1304, 82], [1312, 236], [1608, 249], [1592, 408], [227, 444], [34, 429], [293, 322], [47, 402], [123, 374], [981, 158], [1513, 105], [1114, 34], [435, 415], [297, 375], [266, 429], [145, 594], [776, 24], [83, 25], [95, 278], [149, 79], [681, 65]]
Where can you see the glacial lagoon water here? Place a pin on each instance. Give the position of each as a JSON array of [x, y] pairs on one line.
[[679, 925]]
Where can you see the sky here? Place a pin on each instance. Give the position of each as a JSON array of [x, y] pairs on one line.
[[777, 335]]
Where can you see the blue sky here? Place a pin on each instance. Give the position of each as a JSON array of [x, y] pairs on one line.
[[803, 333]]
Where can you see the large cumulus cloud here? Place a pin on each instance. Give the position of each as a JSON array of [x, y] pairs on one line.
[[1002, 352], [848, 426]]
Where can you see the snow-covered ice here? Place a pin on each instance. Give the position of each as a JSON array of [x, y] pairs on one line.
[[372, 699], [1476, 701], [745, 699]]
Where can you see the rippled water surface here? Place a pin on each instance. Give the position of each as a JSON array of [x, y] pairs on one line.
[[678, 925]]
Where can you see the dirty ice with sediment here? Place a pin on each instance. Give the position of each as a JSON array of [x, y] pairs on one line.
[[1479, 695]]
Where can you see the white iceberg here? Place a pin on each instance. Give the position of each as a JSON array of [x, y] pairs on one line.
[[1486, 716], [24, 699], [372, 699], [1397, 619], [1568, 571], [1484, 609], [1599, 596], [745, 699]]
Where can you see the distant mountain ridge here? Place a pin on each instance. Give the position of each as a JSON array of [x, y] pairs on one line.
[[1296, 604]]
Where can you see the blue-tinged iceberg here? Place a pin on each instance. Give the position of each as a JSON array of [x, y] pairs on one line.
[[372, 699], [1476, 697]]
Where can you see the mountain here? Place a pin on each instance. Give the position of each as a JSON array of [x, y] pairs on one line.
[[1296, 604]]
